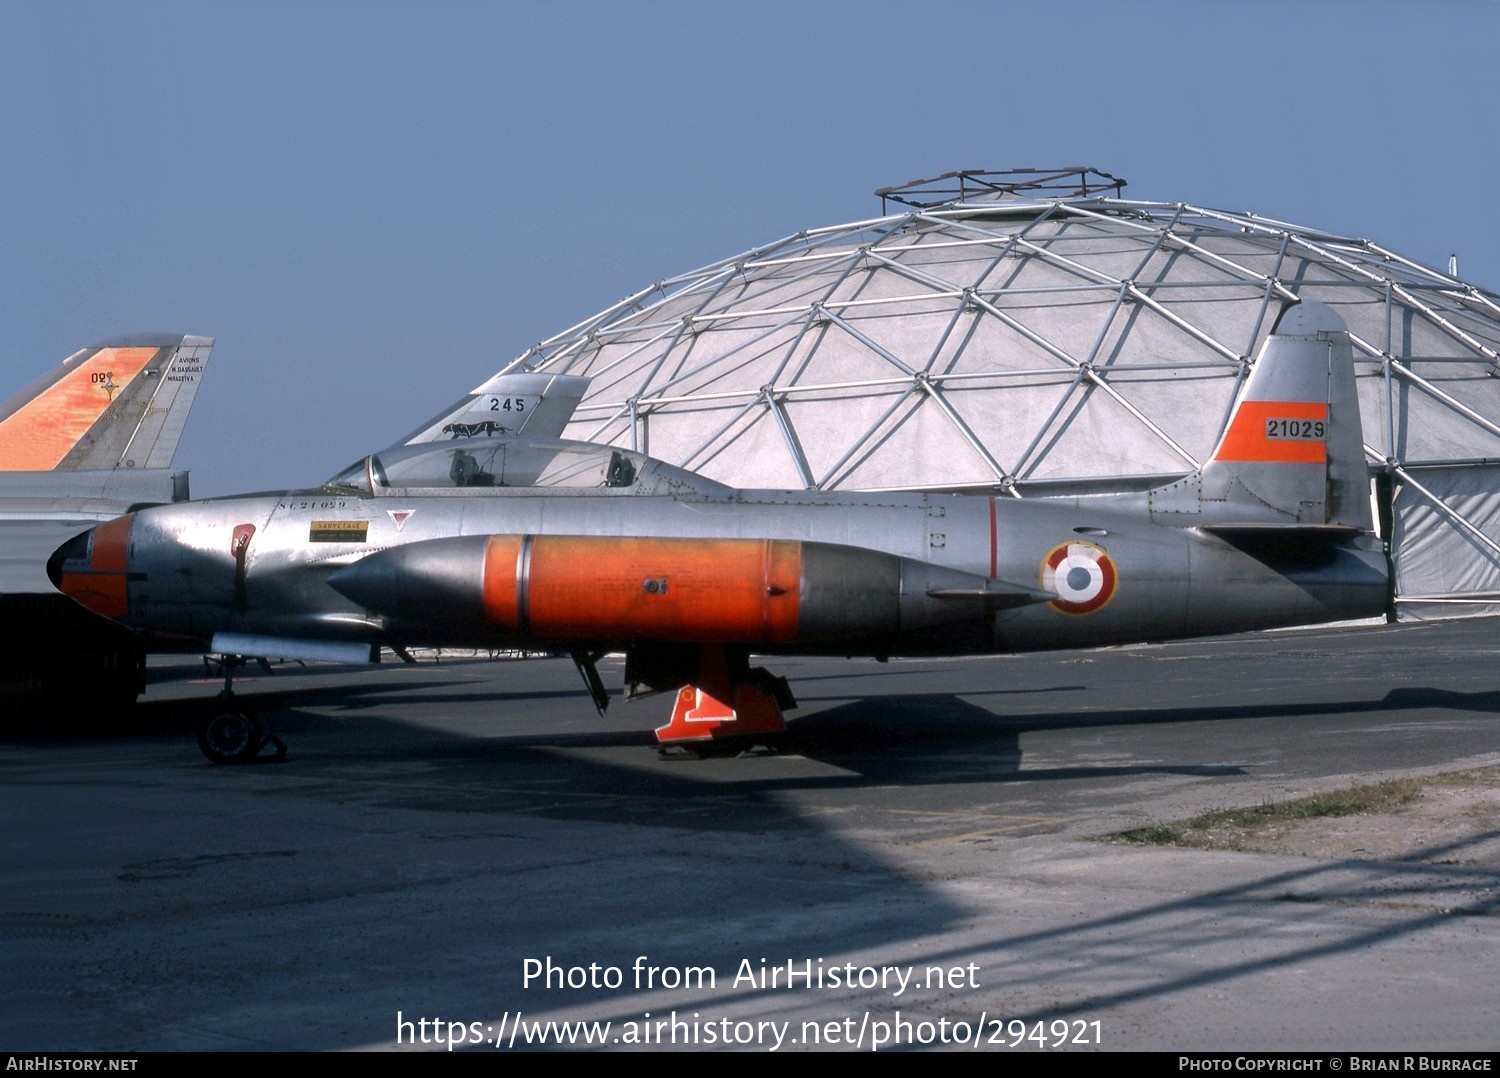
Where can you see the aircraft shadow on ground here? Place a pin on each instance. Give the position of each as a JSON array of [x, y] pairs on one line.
[[915, 739], [689, 847]]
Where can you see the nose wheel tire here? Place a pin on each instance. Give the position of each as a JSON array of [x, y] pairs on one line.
[[233, 737]]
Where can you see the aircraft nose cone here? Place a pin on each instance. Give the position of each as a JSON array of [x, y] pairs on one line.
[[91, 568], [74, 552]]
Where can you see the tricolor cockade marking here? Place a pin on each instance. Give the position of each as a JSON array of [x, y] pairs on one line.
[[1083, 576]]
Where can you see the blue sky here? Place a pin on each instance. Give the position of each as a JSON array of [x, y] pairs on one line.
[[375, 205]]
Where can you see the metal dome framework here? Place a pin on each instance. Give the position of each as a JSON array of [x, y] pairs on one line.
[[1034, 332]]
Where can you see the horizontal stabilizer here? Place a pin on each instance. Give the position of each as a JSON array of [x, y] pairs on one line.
[[1328, 533]]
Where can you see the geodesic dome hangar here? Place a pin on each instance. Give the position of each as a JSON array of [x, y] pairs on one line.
[[1034, 332]]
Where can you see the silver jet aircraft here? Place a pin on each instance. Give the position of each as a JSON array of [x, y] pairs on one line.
[[581, 548]]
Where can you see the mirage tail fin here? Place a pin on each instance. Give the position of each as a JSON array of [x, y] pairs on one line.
[[508, 405], [1292, 455], [121, 403]]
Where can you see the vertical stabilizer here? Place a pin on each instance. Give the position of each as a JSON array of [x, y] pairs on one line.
[[1293, 452], [121, 403], [508, 405]]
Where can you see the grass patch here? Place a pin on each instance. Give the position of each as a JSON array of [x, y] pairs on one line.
[[1484, 776], [1231, 828]]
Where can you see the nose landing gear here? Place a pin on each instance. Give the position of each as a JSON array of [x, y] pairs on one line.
[[230, 735]]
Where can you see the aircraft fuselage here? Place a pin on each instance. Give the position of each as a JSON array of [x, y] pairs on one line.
[[262, 565]]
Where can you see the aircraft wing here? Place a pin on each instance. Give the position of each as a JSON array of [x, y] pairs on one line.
[[40, 510], [121, 403]]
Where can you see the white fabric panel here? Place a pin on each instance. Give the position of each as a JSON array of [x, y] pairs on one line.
[[1437, 558], [1428, 430], [901, 459]]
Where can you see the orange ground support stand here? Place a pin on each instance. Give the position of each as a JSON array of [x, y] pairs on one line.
[[717, 708]]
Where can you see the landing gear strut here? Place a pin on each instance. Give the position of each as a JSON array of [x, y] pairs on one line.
[[231, 735]]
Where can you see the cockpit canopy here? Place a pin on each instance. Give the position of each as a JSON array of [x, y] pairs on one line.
[[496, 463]]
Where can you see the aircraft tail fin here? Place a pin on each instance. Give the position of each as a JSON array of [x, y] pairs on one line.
[[508, 405], [1292, 455], [121, 403]]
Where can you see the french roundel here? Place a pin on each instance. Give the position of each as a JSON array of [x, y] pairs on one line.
[[1083, 576]]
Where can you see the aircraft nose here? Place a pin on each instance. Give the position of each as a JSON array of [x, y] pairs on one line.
[[91, 568]]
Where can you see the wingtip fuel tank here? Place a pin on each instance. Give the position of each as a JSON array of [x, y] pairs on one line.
[[616, 590]]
